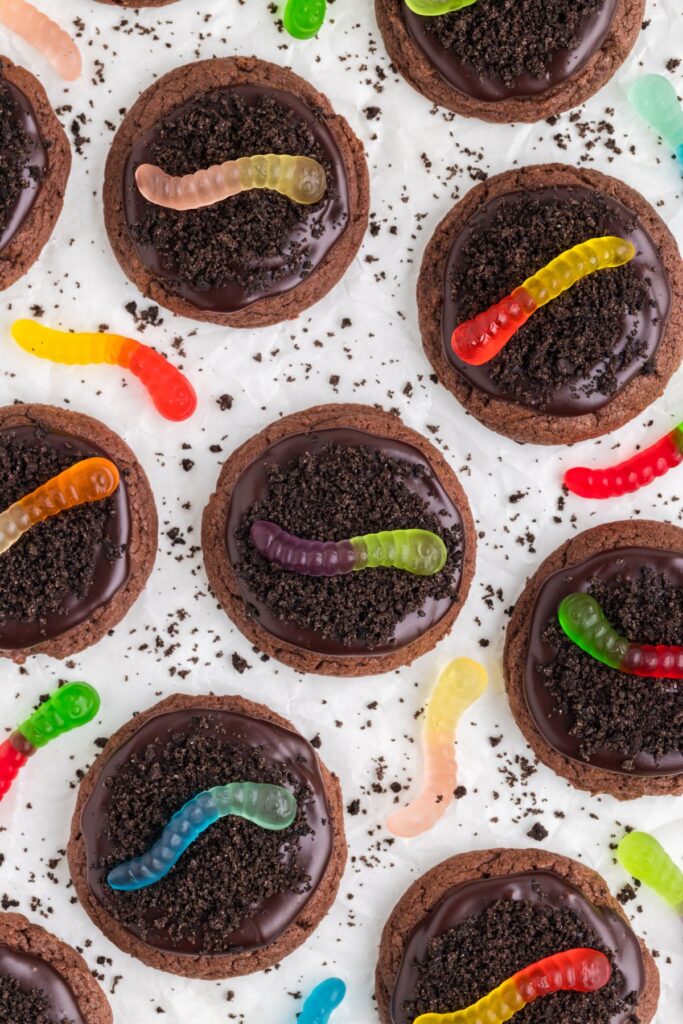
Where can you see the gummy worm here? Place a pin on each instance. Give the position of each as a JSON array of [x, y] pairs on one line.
[[430, 8], [86, 481], [170, 390], [655, 99], [631, 475], [303, 19], [647, 860], [577, 970], [478, 340], [322, 1002], [71, 706], [417, 551], [269, 807], [298, 177], [460, 684], [584, 622], [44, 34]]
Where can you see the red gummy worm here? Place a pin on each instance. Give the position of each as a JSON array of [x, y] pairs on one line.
[[170, 390], [14, 753], [478, 340], [627, 476], [576, 970]]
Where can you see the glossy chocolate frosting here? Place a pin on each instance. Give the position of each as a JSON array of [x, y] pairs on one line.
[[554, 727], [544, 888], [252, 486], [320, 229], [279, 745], [649, 323], [110, 575], [36, 159], [562, 63], [31, 973]]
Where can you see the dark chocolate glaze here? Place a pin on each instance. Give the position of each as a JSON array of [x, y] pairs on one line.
[[279, 745], [31, 973], [544, 888], [110, 576], [333, 214], [252, 486], [625, 562], [37, 158], [562, 63], [649, 322]]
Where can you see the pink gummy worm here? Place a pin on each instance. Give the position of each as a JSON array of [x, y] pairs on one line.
[[14, 753], [45, 34], [628, 476], [438, 788]]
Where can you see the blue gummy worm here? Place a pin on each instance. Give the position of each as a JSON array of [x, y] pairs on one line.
[[270, 807], [323, 1000]]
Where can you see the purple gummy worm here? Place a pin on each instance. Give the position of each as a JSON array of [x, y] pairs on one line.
[[307, 557]]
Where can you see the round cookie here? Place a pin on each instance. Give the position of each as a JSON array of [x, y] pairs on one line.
[[274, 109], [207, 741], [94, 560], [416, 613], [582, 563], [552, 895], [437, 65], [600, 377], [26, 228], [41, 978]]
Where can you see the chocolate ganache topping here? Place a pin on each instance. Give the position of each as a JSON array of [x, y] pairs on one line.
[[32, 989], [23, 160]]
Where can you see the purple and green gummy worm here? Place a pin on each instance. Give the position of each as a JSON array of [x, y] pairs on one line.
[[419, 552], [270, 807]]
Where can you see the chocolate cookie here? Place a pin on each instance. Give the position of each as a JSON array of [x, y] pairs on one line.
[[513, 61], [44, 980], [72, 578], [603, 730], [331, 473], [241, 898], [35, 160], [590, 360], [257, 258], [476, 919]]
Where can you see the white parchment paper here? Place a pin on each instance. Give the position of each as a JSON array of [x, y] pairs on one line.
[[361, 344]]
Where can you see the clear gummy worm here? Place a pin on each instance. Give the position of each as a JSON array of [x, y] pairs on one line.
[[460, 684], [416, 551], [647, 860], [171, 392], [298, 177], [631, 475], [654, 98], [269, 807], [584, 622], [44, 34], [322, 1002], [577, 970], [86, 481], [478, 340]]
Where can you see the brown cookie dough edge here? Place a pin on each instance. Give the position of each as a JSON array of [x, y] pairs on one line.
[[178, 87], [413, 65], [632, 533], [427, 891], [507, 417], [19, 935], [223, 578], [28, 243], [142, 547], [209, 967]]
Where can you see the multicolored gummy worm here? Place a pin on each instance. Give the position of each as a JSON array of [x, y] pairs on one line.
[[586, 625], [303, 19], [70, 707], [460, 684], [44, 34], [322, 1002], [478, 340], [654, 98], [87, 481], [577, 970], [432, 8], [419, 552], [630, 475], [270, 807], [171, 392], [647, 860], [300, 178]]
